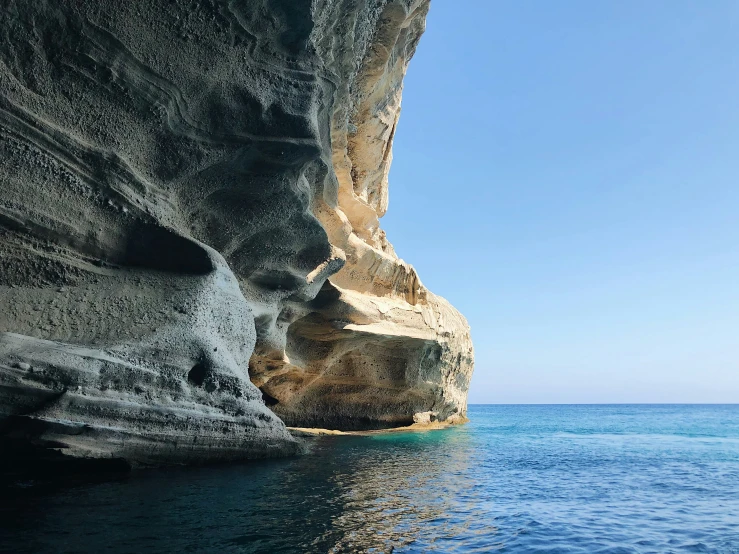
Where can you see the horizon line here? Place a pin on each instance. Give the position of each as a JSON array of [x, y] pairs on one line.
[[603, 404]]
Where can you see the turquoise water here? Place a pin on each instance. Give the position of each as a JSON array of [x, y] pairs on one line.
[[574, 479]]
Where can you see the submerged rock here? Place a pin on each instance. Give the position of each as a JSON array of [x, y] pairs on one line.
[[189, 236]]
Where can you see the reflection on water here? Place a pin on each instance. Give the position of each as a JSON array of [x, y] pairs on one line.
[[517, 479], [412, 483]]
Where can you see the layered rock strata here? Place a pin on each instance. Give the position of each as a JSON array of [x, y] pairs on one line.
[[189, 238]]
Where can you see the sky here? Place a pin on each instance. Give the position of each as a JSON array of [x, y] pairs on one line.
[[566, 175]]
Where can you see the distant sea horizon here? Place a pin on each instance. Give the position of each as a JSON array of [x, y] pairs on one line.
[[603, 404]]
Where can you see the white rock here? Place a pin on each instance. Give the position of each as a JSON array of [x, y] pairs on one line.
[[251, 254]]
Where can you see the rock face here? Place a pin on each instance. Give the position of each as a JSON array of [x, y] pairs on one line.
[[189, 238]]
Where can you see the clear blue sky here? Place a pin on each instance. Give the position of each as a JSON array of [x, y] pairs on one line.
[[567, 175]]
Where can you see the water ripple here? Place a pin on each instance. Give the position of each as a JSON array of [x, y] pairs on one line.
[[569, 479]]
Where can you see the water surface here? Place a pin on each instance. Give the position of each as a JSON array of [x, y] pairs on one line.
[[575, 479]]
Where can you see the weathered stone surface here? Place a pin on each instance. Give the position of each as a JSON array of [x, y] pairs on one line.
[[189, 197]]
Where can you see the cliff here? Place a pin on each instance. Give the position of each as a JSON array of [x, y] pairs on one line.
[[189, 236]]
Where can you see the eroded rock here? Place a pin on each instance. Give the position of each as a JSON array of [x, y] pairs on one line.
[[189, 229]]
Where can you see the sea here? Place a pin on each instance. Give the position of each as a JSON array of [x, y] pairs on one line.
[[614, 479]]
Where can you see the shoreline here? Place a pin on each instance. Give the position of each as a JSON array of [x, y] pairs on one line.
[[415, 427]]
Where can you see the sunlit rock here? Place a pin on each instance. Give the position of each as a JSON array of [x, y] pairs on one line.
[[189, 236]]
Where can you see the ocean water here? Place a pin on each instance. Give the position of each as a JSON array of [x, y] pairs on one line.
[[565, 479]]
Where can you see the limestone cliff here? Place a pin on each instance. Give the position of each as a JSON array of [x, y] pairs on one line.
[[189, 238]]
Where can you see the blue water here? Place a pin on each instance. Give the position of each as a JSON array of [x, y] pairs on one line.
[[574, 479]]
